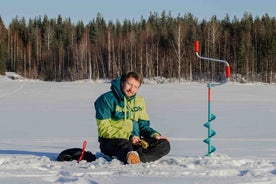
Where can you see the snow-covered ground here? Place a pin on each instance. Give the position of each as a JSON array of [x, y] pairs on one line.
[[40, 119]]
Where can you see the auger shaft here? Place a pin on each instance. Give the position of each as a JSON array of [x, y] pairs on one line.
[[211, 117]]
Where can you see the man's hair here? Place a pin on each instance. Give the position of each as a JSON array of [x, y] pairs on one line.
[[134, 75]]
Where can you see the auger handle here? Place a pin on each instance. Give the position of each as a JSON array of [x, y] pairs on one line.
[[196, 46], [227, 71], [227, 67]]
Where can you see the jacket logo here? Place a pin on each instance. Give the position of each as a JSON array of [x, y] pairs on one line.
[[135, 109]]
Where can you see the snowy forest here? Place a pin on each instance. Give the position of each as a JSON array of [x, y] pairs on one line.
[[160, 45]]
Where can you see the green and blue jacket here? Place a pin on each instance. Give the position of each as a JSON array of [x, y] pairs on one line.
[[118, 116]]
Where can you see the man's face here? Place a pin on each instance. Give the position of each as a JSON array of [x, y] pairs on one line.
[[130, 87]]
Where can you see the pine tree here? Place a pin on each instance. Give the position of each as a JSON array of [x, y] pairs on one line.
[[3, 49]]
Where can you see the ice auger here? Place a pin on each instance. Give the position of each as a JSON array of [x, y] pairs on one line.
[[211, 116]]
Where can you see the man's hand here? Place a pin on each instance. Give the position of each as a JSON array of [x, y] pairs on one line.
[[135, 140], [158, 137]]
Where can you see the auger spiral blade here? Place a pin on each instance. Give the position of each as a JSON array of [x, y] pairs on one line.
[[211, 133]]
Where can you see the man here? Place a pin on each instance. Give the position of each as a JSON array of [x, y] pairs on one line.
[[123, 124]]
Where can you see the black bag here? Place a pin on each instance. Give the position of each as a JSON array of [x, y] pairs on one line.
[[75, 154]]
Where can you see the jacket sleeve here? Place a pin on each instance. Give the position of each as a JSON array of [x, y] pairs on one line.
[[146, 130], [144, 122], [107, 127]]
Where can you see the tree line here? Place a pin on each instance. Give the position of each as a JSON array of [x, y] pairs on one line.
[[160, 45]]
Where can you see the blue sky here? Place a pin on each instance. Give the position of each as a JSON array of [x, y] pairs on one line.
[[87, 10]]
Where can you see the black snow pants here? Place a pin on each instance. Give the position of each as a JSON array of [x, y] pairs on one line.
[[120, 147]]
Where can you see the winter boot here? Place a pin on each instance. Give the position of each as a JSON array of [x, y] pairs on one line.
[[133, 158]]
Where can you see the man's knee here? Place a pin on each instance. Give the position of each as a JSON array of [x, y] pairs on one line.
[[165, 147]]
